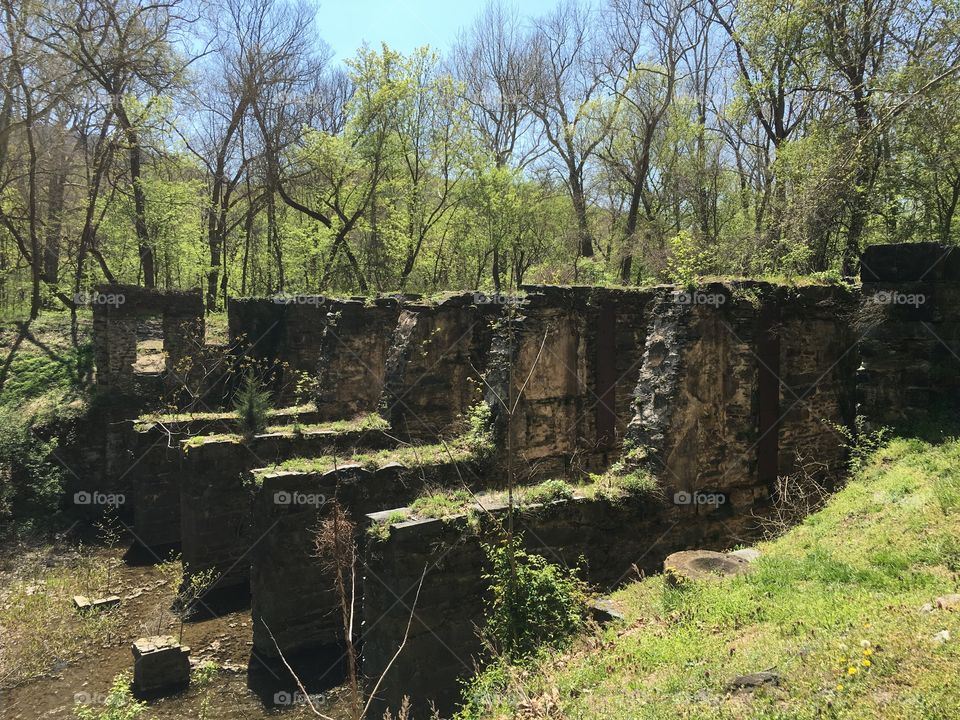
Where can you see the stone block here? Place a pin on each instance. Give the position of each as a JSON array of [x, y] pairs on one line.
[[83, 603], [160, 665]]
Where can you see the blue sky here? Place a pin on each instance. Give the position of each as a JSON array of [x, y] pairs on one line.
[[404, 24]]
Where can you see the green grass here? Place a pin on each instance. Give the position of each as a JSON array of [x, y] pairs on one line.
[[46, 378], [619, 483], [38, 622], [442, 504], [844, 587], [546, 492], [410, 456], [144, 422], [364, 422]]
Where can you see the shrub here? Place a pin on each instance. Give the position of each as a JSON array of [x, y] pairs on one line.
[[533, 603], [861, 441], [479, 436], [252, 403]]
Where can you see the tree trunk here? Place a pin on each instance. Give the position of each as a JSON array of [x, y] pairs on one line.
[[580, 209], [135, 159], [36, 261], [213, 271], [55, 193], [633, 214]]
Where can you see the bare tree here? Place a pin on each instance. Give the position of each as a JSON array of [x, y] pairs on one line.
[[642, 59], [491, 61], [125, 50], [565, 85]]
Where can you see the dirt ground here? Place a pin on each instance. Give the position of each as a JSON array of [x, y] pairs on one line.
[[82, 668]]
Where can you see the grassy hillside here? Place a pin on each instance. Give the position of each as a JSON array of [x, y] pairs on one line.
[[835, 607], [45, 382]]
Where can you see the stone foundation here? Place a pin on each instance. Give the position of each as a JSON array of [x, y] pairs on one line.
[[606, 540], [718, 391]]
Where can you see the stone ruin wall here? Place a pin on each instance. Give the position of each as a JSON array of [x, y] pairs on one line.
[[103, 450], [437, 355], [565, 363], [722, 398], [115, 331], [736, 393], [716, 408], [908, 331]]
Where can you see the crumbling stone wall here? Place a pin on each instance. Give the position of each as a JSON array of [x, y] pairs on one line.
[[564, 361], [117, 309], [292, 585], [433, 370], [354, 355], [816, 378], [217, 488], [339, 345], [721, 390], [736, 381]]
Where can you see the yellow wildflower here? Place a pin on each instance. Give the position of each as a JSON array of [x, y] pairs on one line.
[[840, 687], [851, 670], [866, 663]]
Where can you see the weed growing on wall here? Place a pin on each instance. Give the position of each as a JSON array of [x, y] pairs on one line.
[[479, 436], [546, 492], [441, 504], [380, 530]]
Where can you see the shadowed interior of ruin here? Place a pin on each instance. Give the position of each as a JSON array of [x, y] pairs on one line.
[[670, 412]]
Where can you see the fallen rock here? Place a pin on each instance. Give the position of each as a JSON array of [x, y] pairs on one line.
[[603, 611], [83, 603], [948, 602], [942, 636], [748, 554], [754, 680], [702, 565]]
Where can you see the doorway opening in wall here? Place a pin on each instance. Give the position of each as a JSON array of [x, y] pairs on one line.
[[150, 358]]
